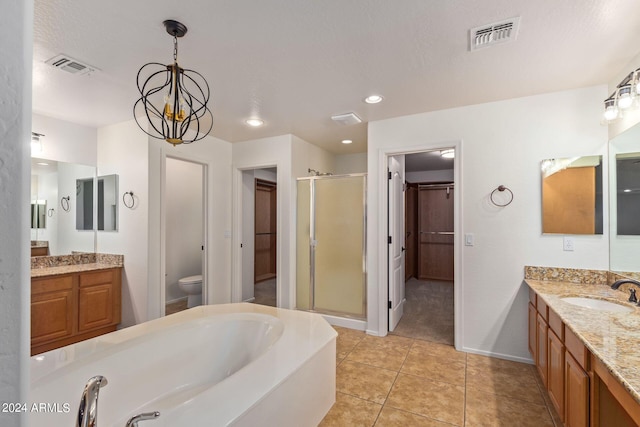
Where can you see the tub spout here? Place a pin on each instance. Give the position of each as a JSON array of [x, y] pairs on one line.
[[133, 421], [88, 410]]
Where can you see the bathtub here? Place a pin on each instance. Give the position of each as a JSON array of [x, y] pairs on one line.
[[232, 364]]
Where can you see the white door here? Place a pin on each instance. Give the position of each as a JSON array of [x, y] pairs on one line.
[[396, 236]]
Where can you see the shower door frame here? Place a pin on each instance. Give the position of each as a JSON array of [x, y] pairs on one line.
[[312, 239]]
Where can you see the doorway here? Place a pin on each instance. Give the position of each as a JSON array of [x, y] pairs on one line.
[[265, 238], [259, 236], [184, 276], [421, 215]]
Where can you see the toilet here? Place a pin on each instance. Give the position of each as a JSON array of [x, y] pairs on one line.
[[192, 286]]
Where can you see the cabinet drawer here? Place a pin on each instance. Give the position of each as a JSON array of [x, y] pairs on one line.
[[97, 278], [576, 348], [543, 309], [51, 284], [556, 324]]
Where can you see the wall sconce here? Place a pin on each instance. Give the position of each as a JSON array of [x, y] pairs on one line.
[[624, 98]]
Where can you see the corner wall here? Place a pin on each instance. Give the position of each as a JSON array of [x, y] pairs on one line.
[[15, 136], [502, 143]]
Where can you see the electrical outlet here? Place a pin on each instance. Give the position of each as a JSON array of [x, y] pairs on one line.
[[567, 243]]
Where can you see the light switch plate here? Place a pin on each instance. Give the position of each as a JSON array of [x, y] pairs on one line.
[[468, 239]]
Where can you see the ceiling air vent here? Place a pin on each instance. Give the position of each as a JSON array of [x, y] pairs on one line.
[[70, 65], [346, 119], [492, 34]]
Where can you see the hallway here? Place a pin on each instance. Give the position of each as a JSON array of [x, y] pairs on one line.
[[428, 312]]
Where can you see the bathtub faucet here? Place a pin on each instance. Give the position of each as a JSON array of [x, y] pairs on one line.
[[133, 421], [88, 410]]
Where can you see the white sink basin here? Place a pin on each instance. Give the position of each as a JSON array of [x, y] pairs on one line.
[[598, 304]]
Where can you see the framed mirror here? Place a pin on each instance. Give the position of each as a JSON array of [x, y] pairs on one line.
[[624, 203], [572, 199]]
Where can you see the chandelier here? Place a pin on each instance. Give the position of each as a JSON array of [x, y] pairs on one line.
[[624, 98], [173, 100]]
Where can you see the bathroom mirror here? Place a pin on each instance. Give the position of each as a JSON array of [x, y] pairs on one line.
[[624, 202], [38, 213], [51, 181], [572, 199]]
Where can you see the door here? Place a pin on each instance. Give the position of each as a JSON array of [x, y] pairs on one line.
[[396, 239], [435, 221]]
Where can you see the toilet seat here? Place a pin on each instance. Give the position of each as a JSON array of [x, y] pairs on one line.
[[191, 279]]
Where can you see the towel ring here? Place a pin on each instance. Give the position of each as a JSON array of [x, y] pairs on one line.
[[50, 212], [124, 199], [64, 202], [502, 188]]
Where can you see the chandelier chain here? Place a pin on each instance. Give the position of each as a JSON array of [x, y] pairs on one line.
[[175, 48]]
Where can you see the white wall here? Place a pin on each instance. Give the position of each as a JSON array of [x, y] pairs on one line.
[[502, 143], [350, 163], [122, 149], [430, 176], [185, 234], [15, 130], [215, 154]]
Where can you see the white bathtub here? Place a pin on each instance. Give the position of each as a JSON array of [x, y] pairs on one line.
[[232, 364]]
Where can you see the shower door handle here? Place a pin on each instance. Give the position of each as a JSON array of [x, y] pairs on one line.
[[313, 243]]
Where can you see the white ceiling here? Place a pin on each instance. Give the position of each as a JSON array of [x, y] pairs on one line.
[[295, 63]]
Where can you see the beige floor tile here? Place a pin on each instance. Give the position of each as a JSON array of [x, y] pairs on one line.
[[381, 354], [432, 399], [364, 381], [351, 411], [434, 368], [394, 341], [346, 341], [390, 417], [547, 401], [504, 378], [487, 410], [443, 351]]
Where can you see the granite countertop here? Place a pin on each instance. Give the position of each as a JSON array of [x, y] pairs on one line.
[[614, 338], [68, 269]]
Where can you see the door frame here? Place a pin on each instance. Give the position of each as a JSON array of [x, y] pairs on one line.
[[237, 231], [383, 220], [163, 225]]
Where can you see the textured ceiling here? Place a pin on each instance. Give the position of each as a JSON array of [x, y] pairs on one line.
[[295, 63]]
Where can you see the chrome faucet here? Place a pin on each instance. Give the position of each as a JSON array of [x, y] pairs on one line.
[[133, 421], [88, 410], [632, 296]]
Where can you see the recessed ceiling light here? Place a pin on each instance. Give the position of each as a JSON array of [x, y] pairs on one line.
[[347, 141], [448, 154], [254, 122], [43, 164], [373, 99]]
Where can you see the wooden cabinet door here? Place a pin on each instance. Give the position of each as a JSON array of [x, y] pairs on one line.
[[576, 383], [556, 372], [541, 350], [96, 307], [532, 332], [52, 316]]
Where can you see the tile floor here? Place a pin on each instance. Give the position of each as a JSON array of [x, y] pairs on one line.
[[398, 381]]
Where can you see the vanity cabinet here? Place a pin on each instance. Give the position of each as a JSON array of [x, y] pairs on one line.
[[580, 387], [73, 307]]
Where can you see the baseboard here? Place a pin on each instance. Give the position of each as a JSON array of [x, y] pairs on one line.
[[498, 355], [252, 299], [176, 300], [359, 325]]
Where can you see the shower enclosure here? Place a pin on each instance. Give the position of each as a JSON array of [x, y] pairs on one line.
[[331, 240]]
